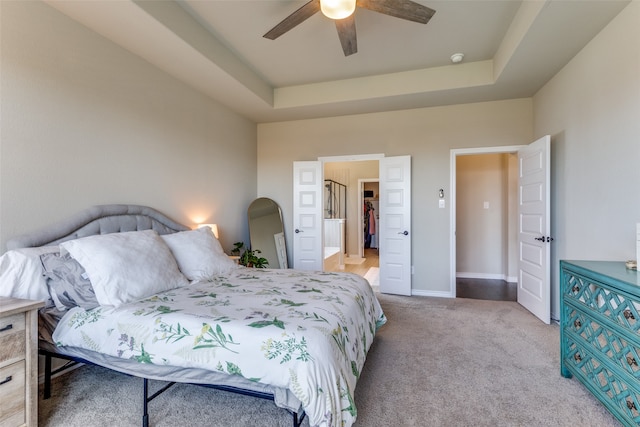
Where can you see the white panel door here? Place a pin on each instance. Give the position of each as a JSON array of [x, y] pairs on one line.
[[307, 216], [394, 227], [533, 229]]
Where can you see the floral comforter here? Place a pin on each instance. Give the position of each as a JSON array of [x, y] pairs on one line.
[[308, 332]]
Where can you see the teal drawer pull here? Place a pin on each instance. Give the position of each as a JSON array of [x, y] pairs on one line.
[[577, 357], [632, 361], [6, 380], [628, 314], [577, 323], [631, 405]]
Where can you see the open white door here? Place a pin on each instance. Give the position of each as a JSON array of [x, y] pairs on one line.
[[394, 228], [533, 228], [307, 215]]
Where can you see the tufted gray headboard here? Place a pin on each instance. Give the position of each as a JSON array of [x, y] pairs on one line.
[[101, 219]]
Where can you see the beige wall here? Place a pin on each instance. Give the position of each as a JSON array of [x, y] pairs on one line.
[[591, 109], [426, 134], [85, 122]]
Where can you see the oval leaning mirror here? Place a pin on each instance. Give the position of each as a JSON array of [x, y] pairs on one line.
[[266, 231]]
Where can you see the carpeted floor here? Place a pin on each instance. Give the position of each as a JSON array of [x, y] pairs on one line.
[[437, 362]]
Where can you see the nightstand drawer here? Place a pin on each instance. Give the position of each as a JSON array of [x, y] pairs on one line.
[[12, 338], [12, 404]]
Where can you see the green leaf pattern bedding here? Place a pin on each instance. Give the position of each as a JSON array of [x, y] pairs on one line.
[[308, 332]]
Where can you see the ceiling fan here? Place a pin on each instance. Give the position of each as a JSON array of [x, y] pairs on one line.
[[341, 11]]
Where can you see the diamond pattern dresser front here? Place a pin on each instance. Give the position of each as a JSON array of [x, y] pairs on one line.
[[599, 333]]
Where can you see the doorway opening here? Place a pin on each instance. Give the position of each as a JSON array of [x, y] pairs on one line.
[[344, 246], [369, 200], [394, 174], [484, 218]]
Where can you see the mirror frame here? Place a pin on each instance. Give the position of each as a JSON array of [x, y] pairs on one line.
[[267, 234]]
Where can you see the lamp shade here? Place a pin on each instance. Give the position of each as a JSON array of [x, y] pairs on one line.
[[337, 9], [213, 227]]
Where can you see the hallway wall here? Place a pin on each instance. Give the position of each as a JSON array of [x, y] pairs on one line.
[[486, 231]]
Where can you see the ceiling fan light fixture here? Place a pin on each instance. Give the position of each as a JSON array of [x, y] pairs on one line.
[[337, 9]]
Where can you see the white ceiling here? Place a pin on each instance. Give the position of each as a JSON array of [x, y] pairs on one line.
[[511, 49]]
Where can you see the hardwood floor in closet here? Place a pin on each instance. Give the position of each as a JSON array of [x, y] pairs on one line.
[[487, 289], [371, 260]]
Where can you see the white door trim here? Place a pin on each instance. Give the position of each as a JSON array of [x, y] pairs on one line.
[[452, 200], [351, 158]]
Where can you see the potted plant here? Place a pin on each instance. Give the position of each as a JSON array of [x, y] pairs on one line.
[[250, 257]]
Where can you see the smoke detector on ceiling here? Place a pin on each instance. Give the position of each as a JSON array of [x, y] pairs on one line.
[[457, 57]]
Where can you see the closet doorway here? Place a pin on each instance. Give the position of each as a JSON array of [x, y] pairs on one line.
[[485, 217], [355, 177], [394, 260], [527, 211], [369, 191]]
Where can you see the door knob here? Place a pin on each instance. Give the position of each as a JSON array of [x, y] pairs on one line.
[[298, 231], [405, 232]]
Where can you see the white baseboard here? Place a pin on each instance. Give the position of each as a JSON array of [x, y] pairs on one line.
[[495, 276], [438, 294]]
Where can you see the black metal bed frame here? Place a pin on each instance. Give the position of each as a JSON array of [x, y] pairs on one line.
[[48, 373]]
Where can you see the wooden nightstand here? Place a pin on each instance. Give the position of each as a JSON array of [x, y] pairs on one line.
[[19, 362]]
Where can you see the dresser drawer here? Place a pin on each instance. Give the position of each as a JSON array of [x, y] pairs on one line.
[[12, 338], [603, 300], [12, 404], [595, 336], [603, 382], [600, 333]]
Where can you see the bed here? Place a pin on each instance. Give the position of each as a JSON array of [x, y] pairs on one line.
[[131, 290]]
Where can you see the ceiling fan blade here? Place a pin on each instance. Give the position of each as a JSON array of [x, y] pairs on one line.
[[305, 12], [347, 32], [404, 9]]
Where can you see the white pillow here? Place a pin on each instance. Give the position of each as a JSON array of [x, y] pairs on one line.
[[199, 254], [126, 267], [21, 273]]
